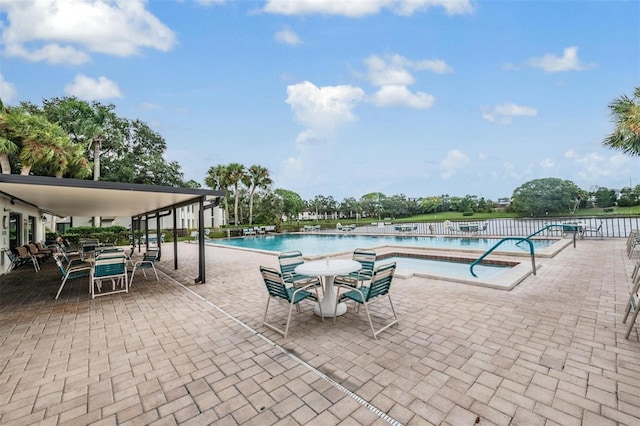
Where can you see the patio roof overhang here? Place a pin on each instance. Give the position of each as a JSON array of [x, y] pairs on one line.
[[75, 197]]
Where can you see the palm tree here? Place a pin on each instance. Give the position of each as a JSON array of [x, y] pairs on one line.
[[626, 116], [236, 173], [257, 177], [8, 118], [217, 179]]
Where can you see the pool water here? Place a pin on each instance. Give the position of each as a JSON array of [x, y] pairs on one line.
[[318, 244], [443, 268]]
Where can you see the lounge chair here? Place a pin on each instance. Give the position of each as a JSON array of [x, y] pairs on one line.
[[276, 289], [25, 254], [365, 295], [633, 305], [288, 262], [71, 272], [43, 254], [148, 262], [16, 261], [593, 231]]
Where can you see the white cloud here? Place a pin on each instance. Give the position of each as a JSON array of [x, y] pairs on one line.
[[89, 89], [150, 106], [68, 31], [504, 113], [392, 74], [453, 161], [547, 163], [570, 154], [357, 9], [288, 36], [551, 63], [323, 109], [210, 2], [8, 92], [394, 69], [397, 95]]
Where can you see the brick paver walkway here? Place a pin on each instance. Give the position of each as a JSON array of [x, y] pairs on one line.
[[551, 351]]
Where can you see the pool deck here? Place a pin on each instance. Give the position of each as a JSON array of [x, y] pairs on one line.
[[549, 352]]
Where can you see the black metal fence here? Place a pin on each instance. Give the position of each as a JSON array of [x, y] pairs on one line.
[[612, 227]]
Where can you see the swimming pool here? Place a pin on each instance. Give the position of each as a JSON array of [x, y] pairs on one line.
[[320, 244]]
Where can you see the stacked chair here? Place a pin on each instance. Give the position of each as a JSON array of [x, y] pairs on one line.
[[633, 305]]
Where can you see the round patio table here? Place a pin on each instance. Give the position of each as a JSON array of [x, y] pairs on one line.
[[329, 268]]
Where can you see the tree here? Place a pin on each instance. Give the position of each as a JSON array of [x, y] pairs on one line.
[[373, 203], [605, 197], [256, 177], [8, 121], [626, 116], [292, 204], [542, 196], [217, 179], [235, 176]]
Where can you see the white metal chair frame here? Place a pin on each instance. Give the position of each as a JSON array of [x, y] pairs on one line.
[[365, 295], [277, 289], [112, 268], [148, 262]]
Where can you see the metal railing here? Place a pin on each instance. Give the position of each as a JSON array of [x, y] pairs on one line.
[[531, 252], [612, 227]]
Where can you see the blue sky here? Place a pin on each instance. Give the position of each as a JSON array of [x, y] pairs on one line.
[[421, 97]]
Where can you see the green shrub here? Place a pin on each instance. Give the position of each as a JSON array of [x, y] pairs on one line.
[[467, 214]]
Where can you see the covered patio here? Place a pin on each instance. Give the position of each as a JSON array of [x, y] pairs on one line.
[[142, 203], [551, 351]]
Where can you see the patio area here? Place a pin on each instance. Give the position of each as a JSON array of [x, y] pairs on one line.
[[550, 351]]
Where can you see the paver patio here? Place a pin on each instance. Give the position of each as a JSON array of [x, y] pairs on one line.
[[551, 351]]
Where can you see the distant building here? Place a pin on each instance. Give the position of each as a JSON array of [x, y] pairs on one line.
[[504, 202]]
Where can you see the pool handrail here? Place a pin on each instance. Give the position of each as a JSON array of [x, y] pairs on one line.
[[564, 226], [520, 239]]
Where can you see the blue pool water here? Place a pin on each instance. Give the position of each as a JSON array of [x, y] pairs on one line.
[[443, 268], [319, 244]]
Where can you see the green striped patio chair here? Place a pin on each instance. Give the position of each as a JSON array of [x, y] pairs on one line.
[[71, 272], [367, 258], [288, 262], [109, 268], [365, 295], [277, 289]]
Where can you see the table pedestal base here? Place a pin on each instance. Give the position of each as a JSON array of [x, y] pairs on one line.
[[327, 309], [328, 301]]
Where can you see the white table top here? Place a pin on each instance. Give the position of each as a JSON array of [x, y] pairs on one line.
[[332, 267]]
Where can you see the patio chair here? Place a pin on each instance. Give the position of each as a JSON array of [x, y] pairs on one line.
[[16, 261], [71, 272], [367, 258], [277, 289], [593, 231], [26, 255], [109, 268], [633, 305], [365, 295], [288, 262], [148, 262], [40, 245], [34, 250]]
